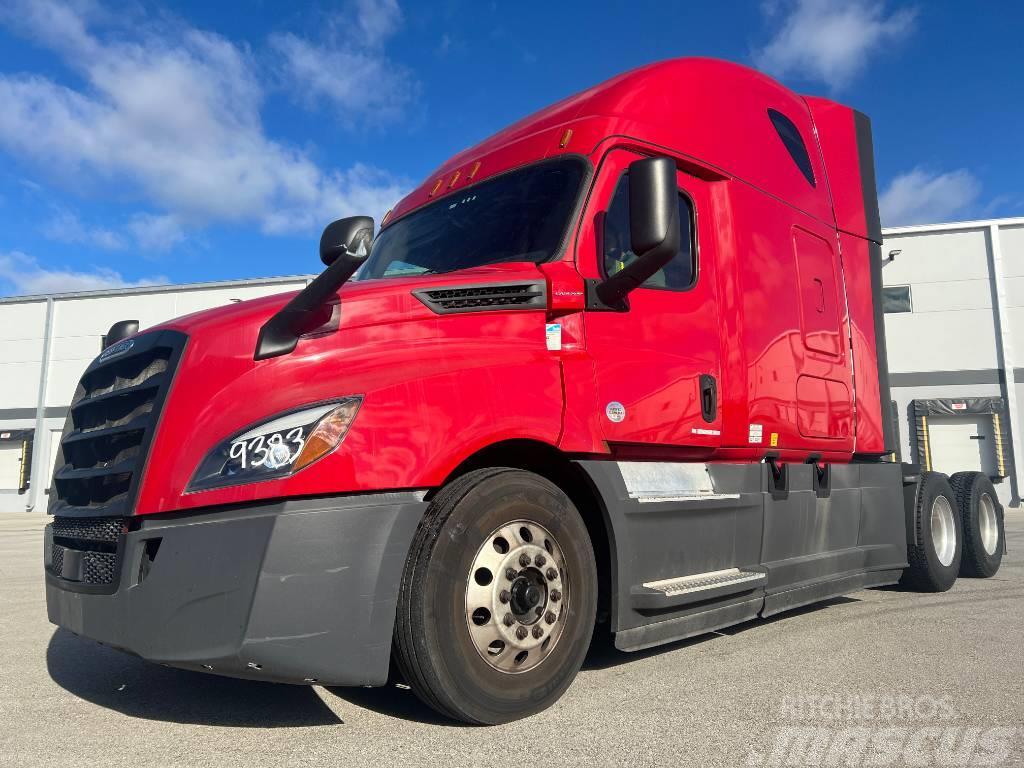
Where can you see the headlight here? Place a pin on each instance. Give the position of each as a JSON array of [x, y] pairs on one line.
[[278, 447]]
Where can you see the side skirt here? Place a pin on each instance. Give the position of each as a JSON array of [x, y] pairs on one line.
[[698, 547]]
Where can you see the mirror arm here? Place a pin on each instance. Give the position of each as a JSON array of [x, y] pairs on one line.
[[280, 334]]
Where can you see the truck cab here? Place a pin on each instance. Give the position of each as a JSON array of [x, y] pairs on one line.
[[621, 362]]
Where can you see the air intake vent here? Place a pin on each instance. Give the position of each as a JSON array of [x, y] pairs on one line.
[[486, 297]]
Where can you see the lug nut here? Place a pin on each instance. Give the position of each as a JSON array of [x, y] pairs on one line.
[[522, 632], [510, 574], [538, 630], [524, 559], [509, 619], [504, 595], [555, 595], [552, 574], [550, 618], [538, 610], [539, 561]]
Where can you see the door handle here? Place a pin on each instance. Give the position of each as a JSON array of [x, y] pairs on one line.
[[708, 397]]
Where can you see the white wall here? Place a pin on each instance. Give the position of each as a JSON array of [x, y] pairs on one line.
[[21, 350], [952, 326]]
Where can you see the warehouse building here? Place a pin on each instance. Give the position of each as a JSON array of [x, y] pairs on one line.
[[954, 303], [953, 296]]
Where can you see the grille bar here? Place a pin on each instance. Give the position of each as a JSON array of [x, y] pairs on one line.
[[151, 383], [67, 472], [80, 435]]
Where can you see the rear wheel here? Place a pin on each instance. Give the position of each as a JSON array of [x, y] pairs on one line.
[[935, 548], [981, 516], [498, 598]]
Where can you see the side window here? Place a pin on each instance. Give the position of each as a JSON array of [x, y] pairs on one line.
[[794, 143], [679, 273]]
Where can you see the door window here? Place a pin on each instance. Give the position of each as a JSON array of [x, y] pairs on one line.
[[679, 274]]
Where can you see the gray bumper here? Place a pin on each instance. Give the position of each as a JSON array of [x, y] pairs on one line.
[[293, 591]]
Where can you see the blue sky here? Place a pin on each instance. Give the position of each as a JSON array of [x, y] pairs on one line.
[[147, 142]]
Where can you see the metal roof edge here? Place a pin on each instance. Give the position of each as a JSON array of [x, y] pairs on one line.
[[168, 288]]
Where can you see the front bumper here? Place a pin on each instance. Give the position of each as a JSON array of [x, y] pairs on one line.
[[295, 591]]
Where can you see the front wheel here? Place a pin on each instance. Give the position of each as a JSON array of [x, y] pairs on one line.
[[498, 597]]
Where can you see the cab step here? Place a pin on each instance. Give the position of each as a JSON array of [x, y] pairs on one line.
[[681, 590]]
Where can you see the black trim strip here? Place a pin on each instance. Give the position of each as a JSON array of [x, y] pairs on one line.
[[866, 155], [881, 354]]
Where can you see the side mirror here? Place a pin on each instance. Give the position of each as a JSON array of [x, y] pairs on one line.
[[120, 331], [653, 226], [344, 246], [350, 237]]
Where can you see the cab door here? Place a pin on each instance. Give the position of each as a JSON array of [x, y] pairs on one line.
[[657, 364]]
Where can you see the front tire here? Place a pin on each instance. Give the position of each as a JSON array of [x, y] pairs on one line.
[[981, 516], [935, 547], [496, 544]]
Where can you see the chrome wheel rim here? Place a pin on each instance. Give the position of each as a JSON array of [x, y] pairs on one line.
[[943, 530], [516, 597], [988, 524]]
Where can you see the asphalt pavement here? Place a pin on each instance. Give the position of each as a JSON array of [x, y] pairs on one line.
[[884, 675]]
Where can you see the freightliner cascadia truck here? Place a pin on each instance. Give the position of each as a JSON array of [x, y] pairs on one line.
[[619, 366]]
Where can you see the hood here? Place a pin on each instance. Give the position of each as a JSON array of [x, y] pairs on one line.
[[386, 330]]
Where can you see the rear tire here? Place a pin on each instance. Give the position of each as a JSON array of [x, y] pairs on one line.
[[935, 547], [981, 517], [496, 544]]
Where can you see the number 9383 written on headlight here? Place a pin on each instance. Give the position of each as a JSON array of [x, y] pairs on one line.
[[277, 447]]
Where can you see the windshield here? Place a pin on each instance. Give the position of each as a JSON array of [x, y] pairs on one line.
[[517, 216]]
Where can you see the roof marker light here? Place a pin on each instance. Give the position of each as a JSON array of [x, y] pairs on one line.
[[437, 186], [455, 177], [473, 170], [565, 138]]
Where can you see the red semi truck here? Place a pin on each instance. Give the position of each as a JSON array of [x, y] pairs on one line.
[[620, 365]]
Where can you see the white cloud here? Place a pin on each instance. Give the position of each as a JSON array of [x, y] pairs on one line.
[[920, 197], [66, 227], [21, 274], [156, 232], [172, 114], [378, 19], [830, 40], [348, 69]]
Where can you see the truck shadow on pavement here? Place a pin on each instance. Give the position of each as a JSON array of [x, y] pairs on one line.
[[137, 688]]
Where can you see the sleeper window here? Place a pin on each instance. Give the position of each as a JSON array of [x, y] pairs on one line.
[[679, 273], [794, 143]]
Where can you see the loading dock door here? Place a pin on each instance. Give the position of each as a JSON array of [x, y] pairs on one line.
[[962, 444], [10, 466]]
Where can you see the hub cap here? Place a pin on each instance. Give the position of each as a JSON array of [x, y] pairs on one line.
[[516, 596], [988, 523], [943, 530]]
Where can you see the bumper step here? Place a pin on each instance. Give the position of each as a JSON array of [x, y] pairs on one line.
[[681, 590]]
